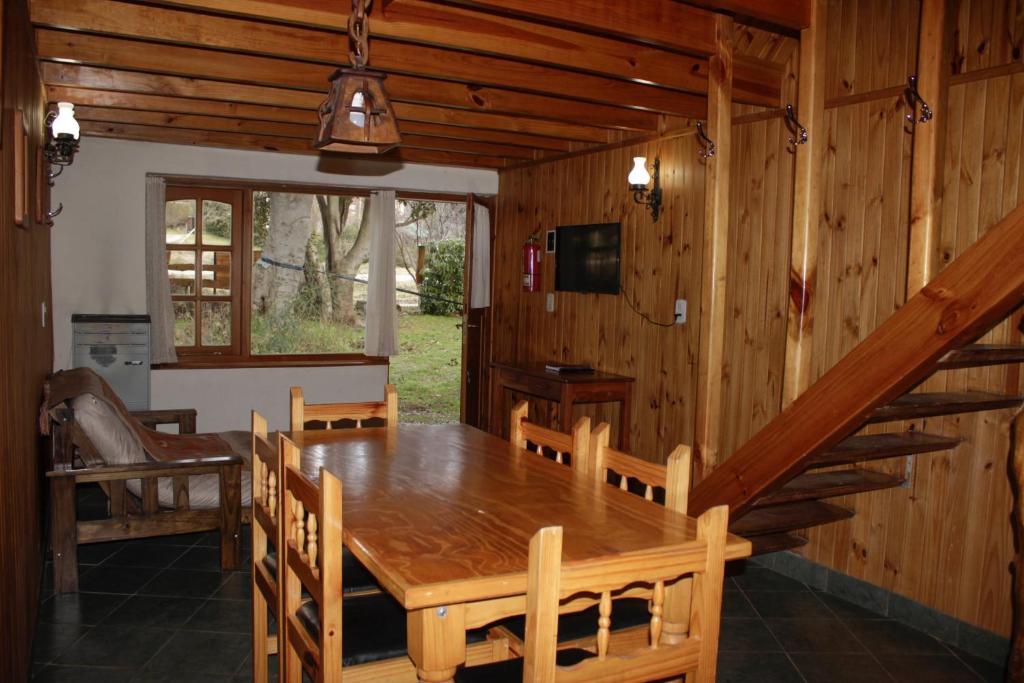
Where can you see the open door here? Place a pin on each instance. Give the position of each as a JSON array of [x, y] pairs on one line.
[[476, 320]]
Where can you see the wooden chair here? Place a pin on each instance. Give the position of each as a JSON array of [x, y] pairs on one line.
[[266, 478], [357, 578], [552, 581], [328, 413], [666, 484], [642, 476], [312, 629], [576, 445]]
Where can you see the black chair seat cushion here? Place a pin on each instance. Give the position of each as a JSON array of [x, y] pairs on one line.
[[511, 670], [355, 578], [373, 628], [626, 613]]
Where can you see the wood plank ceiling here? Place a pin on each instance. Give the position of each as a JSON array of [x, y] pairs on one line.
[[479, 83]]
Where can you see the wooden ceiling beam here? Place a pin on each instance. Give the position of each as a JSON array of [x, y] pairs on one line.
[[438, 130], [198, 138], [790, 14], [461, 123], [138, 70], [671, 25], [423, 22], [115, 18]]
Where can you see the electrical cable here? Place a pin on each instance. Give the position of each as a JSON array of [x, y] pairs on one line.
[[640, 313]]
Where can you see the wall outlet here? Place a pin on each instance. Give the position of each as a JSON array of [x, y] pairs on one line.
[[549, 305], [680, 311]]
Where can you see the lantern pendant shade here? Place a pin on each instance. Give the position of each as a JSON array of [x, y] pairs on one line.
[[639, 176], [357, 115]]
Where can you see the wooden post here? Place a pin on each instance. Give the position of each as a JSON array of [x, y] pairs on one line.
[[806, 206], [926, 165], [716, 242], [1015, 667]]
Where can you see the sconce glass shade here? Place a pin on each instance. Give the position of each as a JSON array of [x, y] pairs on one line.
[[65, 124], [639, 177], [357, 115]]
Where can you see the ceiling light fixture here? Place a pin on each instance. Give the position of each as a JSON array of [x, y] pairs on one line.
[[357, 115]]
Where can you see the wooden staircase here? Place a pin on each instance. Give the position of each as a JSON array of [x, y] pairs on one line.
[[774, 484]]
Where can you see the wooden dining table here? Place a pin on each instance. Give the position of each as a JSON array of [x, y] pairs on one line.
[[442, 515]]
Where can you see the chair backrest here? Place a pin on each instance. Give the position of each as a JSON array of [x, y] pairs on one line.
[[311, 559], [266, 481], [551, 580], [328, 413], [673, 477], [575, 444]]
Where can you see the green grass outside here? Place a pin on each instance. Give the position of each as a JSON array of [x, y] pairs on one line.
[[427, 370]]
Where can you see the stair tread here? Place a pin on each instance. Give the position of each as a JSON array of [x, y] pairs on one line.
[[787, 517], [910, 406], [975, 355], [829, 484], [773, 543], [888, 445]]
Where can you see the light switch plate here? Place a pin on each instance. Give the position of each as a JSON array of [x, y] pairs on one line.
[[680, 311], [550, 303]]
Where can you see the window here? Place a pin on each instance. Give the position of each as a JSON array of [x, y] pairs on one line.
[[266, 276], [202, 237]]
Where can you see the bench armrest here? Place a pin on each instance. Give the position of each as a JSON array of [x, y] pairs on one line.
[[185, 418], [209, 465]]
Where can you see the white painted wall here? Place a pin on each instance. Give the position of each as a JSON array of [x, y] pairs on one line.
[[98, 246]]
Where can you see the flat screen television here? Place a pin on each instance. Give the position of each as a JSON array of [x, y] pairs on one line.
[[587, 258]]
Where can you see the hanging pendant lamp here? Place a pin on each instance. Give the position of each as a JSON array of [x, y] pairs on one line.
[[357, 115]]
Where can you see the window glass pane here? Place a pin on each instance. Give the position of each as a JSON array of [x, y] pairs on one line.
[[216, 323], [216, 273], [180, 217], [216, 223], [302, 245], [181, 270], [184, 323]]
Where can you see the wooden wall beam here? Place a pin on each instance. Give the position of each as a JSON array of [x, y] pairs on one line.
[[716, 242], [205, 138], [558, 135], [806, 206], [933, 71]]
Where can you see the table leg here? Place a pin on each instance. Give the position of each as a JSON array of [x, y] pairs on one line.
[[565, 410], [497, 413], [437, 642], [676, 624]]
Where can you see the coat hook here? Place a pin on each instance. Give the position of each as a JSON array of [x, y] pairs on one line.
[[799, 136], [50, 215], [707, 149], [914, 98], [51, 174]]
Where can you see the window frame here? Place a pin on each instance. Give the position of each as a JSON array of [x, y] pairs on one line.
[[241, 355]]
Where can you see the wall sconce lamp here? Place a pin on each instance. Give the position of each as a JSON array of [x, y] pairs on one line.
[[639, 178], [62, 144]]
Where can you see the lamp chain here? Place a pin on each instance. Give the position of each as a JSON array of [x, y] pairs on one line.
[[358, 34]]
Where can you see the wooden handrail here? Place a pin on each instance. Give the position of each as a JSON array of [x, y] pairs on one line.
[[973, 293]]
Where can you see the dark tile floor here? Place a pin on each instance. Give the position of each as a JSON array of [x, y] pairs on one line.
[[160, 610]]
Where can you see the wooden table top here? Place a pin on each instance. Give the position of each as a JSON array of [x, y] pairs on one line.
[[538, 370], [443, 514]]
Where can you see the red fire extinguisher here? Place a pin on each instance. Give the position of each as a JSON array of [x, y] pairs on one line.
[[531, 264]]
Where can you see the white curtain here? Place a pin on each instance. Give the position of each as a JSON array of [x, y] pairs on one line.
[[158, 286], [381, 337], [480, 270]]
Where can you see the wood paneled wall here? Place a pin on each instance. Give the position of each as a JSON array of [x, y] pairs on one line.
[[660, 263], [26, 355], [944, 540]]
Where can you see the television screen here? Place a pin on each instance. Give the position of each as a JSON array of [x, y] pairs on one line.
[[587, 258]]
